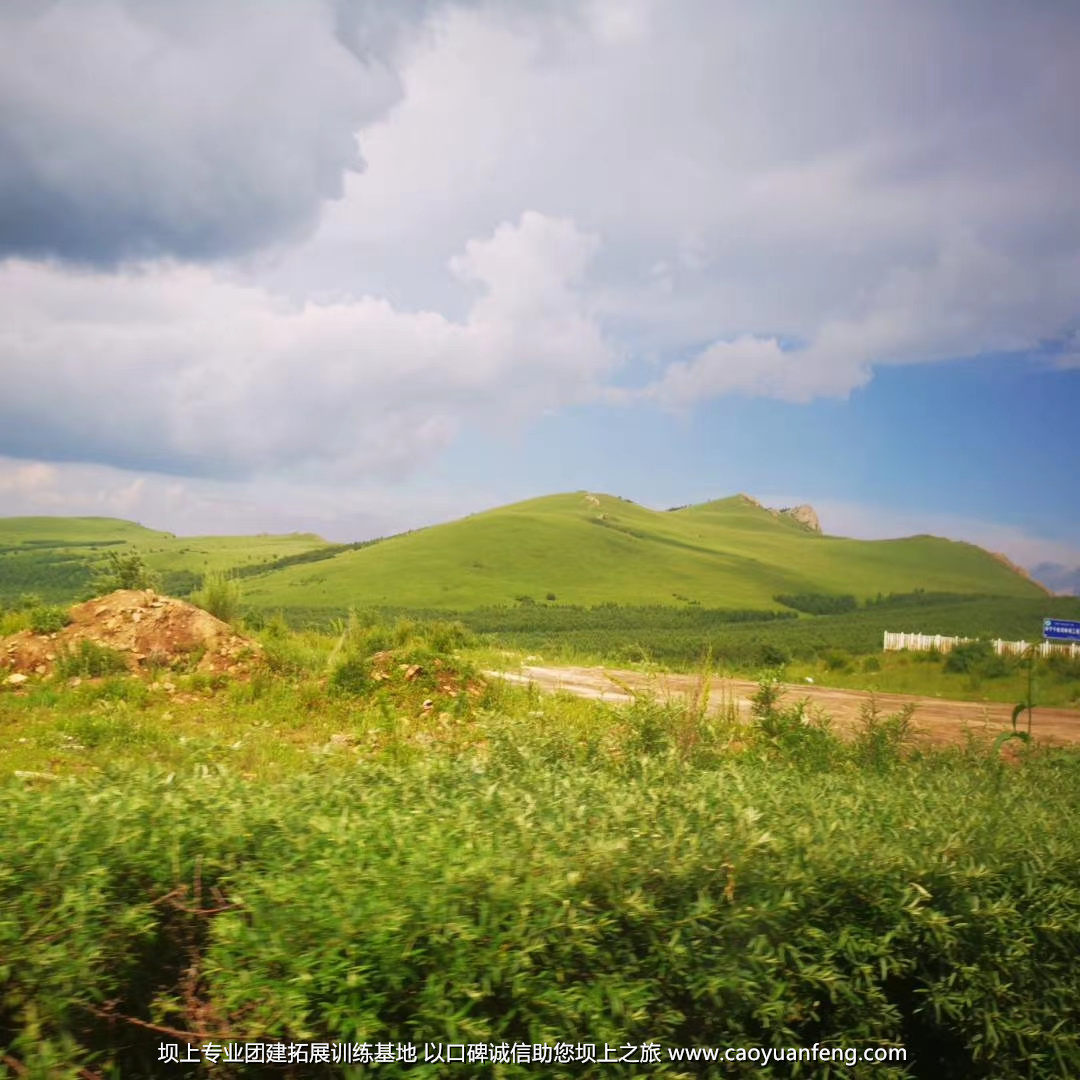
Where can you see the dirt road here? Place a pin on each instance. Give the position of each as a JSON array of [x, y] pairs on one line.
[[940, 721]]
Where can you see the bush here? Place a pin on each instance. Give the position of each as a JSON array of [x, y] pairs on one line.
[[1064, 667], [90, 660], [48, 620], [793, 728], [772, 656], [539, 893], [220, 595], [181, 582], [997, 667], [353, 676], [818, 603], [407, 663], [882, 740], [969, 657], [124, 572]]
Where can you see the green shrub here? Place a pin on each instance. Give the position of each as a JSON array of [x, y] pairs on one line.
[[220, 596], [48, 620], [180, 582], [88, 659], [969, 657], [772, 656], [444, 637], [353, 676], [818, 603], [881, 741], [124, 572], [790, 729], [997, 667], [1064, 667], [838, 660], [547, 894]]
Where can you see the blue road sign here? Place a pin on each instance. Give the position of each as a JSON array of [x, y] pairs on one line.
[[1061, 630]]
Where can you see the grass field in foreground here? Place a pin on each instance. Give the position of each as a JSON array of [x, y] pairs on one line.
[[317, 856], [836, 650]]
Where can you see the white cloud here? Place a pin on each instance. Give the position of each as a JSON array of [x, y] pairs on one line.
[[885, 184], [32, 482], [199, 507], [969, 300], [174, 369]]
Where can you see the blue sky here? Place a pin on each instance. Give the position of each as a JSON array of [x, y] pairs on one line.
[[457, 253]]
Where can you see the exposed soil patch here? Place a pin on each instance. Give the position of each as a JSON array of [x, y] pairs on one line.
[[147, 629], [938, 721]]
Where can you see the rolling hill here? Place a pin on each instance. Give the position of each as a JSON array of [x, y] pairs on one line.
[[55, 557], [591, 550], [576, 548]]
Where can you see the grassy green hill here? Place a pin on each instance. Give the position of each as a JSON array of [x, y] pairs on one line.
[[55, 557], [595, 550], [584, 550]]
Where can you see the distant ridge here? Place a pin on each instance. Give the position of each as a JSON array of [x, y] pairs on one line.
[[591, 548], [1057, 578], [581, 548]]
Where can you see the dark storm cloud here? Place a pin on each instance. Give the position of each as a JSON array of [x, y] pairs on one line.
[[194, 130]]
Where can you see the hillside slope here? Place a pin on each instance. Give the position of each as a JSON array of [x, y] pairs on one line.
[[55, 557], [585, 549]]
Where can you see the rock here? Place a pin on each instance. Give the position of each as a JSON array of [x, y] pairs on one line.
[[17, 679], [805, 515]]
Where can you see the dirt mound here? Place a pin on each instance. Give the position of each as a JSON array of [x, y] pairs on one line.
[[148, 630]]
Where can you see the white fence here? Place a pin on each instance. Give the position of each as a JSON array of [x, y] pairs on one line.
[[926, 642]]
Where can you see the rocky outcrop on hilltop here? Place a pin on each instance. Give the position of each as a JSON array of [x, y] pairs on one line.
[[805, 515], [1006, 561]]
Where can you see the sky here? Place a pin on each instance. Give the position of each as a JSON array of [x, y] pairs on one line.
[[357, 266]]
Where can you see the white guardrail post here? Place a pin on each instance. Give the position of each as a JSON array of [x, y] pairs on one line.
[[895, 642]]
